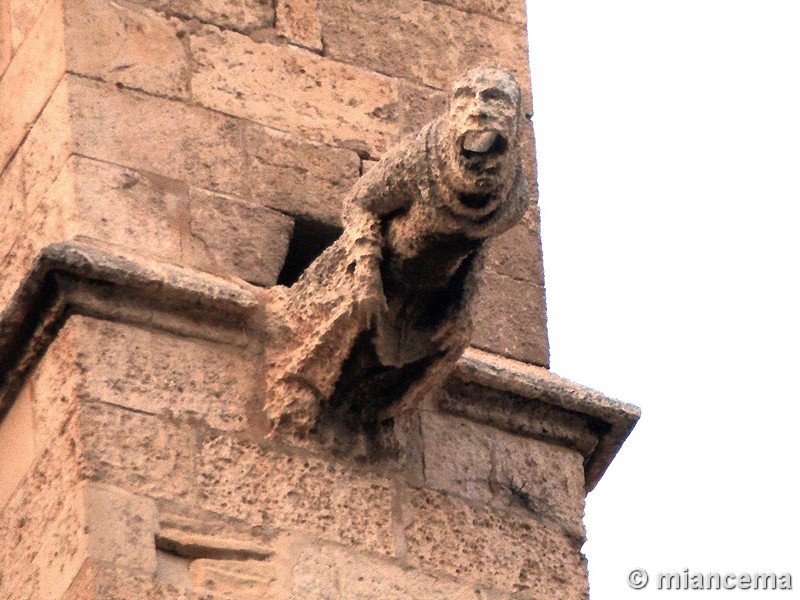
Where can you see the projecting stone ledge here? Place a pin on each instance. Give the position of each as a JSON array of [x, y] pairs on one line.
[[78, 278], [531, 400]]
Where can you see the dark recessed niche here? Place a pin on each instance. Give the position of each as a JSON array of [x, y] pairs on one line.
[[309, 239]]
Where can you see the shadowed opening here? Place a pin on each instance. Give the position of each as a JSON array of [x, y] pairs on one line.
[[309, 240]]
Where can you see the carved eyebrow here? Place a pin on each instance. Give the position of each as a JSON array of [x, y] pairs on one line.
[[464, 90], [494, 93]]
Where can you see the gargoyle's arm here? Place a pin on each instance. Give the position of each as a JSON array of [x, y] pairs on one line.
[[390, 185]]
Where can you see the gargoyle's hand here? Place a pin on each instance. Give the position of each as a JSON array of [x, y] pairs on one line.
[[370, 300]]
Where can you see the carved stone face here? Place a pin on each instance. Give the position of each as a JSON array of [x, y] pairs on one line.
[[483, 123]]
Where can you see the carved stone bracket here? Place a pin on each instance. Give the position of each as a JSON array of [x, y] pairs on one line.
[[382, 316]]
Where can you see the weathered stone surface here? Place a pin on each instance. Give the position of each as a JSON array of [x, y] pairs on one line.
[[458, 456], [33, 169], [126, 44], [116, 205], [419, 105], [140, 453], [533, 415], [518, 252], [239, 238], [245, 16], [119, 527], [380, 316], [63, 548], [330, 572], [510, 319], [17, 444], [490, 466], [100, 523], [236, 579], [29, 513], [172, 569], [422, 41], [31, 78], [330, 101], [322, 498], [543, 478], [297, 177], [6, 49], [45, 150], [512, 11], [24, 14], [207, 535], [298, 21], [446, 535], [97, 579], [46, 225], [161, 136], [301, 569], [12, 206]]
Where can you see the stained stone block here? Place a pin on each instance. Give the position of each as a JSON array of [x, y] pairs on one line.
[[510, 319], [246, 239], [30, 78], [331, 101], [126, 44], [297, 177], [404, 40], [445, 534], [298, 20], [245, 16]]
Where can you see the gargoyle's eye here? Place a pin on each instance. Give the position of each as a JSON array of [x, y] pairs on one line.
[[494, 93], [464, 92]]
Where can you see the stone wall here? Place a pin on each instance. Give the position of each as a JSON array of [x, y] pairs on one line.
[[161, 162], [172, 127]]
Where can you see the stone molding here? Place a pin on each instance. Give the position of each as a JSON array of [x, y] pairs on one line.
[[78, 278]]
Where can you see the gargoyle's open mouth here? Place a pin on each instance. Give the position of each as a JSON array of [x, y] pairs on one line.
[[482, 144]]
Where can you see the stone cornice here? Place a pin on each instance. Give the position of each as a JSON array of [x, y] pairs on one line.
[[75, 277], [608, 421]]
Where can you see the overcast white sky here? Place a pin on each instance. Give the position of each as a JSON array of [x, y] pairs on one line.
[[669, 169]]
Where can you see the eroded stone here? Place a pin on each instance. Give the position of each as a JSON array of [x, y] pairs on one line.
[[510, 319], [330, 102], [245, 239], [496, 549], [126, 44], [380, 317]]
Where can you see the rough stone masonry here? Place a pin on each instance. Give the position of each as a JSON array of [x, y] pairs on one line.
[[168, 165]]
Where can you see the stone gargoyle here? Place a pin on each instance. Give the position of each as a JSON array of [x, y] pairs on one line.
[[383, 314]]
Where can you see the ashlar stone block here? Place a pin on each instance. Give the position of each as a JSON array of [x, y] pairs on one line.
[[30, 78], [244, 16], [17, 444], [510, 319], [298, 21], [297, 177], [500, 550], [496, 468], [161, 136], [244, 238], [315, 496], [331, 102], [422, 41], [127, 44]]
